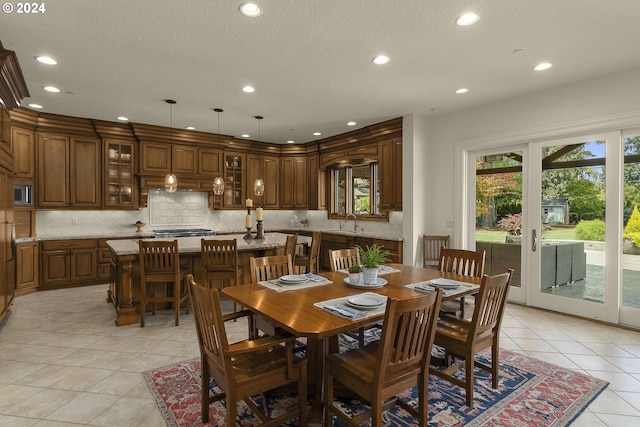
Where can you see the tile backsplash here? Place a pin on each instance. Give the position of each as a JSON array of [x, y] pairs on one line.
[[185, 209]]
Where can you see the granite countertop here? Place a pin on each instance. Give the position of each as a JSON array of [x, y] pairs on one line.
[[192, 244], [365, 234]]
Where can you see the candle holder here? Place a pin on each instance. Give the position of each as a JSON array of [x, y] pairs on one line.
[[248, 235], [260, 233]]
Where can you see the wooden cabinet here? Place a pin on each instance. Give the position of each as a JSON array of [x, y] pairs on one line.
[[7, 255], [119, 180], [66, 263], [234, 171], [27, 268], [332, 242], [293, 183], [184, 160], [209, 163], [390, 175], [23, 153], [316, 185], [6, 146], [68, 172], [268, 169], [155, 158]]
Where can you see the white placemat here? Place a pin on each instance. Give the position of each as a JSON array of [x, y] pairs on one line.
[[279, 287], [343, 302], [428, 287]]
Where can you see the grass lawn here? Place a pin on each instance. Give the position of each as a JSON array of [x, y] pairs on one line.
[[483, 235]]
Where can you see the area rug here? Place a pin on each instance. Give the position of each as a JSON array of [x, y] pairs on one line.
[[530, 393]]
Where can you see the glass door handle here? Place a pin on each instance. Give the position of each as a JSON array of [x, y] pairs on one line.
[[534, 240]]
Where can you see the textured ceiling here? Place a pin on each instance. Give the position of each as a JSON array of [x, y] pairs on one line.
[[309, 60]]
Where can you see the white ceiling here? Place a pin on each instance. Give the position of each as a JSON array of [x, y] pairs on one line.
[[309, 60]]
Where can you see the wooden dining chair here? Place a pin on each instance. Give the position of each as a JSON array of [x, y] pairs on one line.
[[246, 368], [382, 369], [463, 339], [160, 265], [342, 259], [291, 245], [220, 264], [464, 263], [311, 260], [431, 246], [269, 267]]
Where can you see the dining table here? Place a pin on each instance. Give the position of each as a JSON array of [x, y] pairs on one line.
[[301, 309]]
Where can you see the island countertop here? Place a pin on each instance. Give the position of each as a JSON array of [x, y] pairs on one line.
[[192, 244]]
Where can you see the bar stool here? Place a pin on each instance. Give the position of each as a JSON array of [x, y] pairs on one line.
[[220, 264], [311, 260], [160, 264]]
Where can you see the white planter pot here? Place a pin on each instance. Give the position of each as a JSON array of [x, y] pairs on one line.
[[354, 278], [370, 275]]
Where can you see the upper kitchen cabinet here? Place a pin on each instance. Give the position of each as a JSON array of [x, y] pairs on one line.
[[234, 172], [390, 175], [5, 132], [266, 168], [23, 153], [119, 180], [293, 184], [155, 158], [68, 170], [184, 160]]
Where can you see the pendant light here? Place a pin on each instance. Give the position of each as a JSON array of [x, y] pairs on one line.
[[218, 182], [258, 185], [170, 181]]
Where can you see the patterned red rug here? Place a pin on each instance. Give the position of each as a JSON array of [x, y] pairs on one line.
[[531, 393]]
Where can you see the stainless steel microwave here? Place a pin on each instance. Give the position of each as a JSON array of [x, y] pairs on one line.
[[22, 194]]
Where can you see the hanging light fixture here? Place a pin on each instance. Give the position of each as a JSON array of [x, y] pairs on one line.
[[170, 181], [258, 185], [218, 182]]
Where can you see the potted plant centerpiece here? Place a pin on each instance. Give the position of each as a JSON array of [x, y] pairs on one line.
[[354, 274], [370, 259]]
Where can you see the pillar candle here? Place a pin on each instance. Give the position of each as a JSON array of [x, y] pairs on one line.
[[259, 214], [249, 203], [249, 221]]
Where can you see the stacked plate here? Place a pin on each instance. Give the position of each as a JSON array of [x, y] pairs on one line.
[[366, 301], [445, 283], [293, 279]]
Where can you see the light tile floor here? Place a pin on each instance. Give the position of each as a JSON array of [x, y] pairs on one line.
[[63, 362]]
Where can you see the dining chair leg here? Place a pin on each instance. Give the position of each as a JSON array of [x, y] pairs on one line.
[[469, 365]]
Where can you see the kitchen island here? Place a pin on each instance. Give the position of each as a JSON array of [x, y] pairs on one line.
[[124, 283]]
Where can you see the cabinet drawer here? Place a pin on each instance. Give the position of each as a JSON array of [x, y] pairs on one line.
[[57, 245]]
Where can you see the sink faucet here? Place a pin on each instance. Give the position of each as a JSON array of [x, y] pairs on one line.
[[355, 220]]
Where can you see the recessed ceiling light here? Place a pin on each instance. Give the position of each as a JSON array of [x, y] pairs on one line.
[[462, 90], [351, 123], [245, 135], [542, 66], [467, 19], [46, 60], [380, 60], [248, 89], [51, 89], [290, 141], [317, 134], [38, 106], [123, 119], [190, 128], [250, 9]]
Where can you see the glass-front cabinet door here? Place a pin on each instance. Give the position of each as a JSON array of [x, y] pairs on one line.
[[233, 196], [119, 175]]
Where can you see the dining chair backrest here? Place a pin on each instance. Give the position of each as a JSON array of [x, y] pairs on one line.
[[462, 262], [407, 334], [291, 244], [489, 309], [310, 260], [431, 246], [270, 267], [342, 259], [219, 259]]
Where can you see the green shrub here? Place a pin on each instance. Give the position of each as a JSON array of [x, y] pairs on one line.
[[590, 230], [632, 229]]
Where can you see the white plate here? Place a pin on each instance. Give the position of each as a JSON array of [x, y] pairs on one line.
[[366, 301], [293, 279], [379, 283], [445, 283]]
